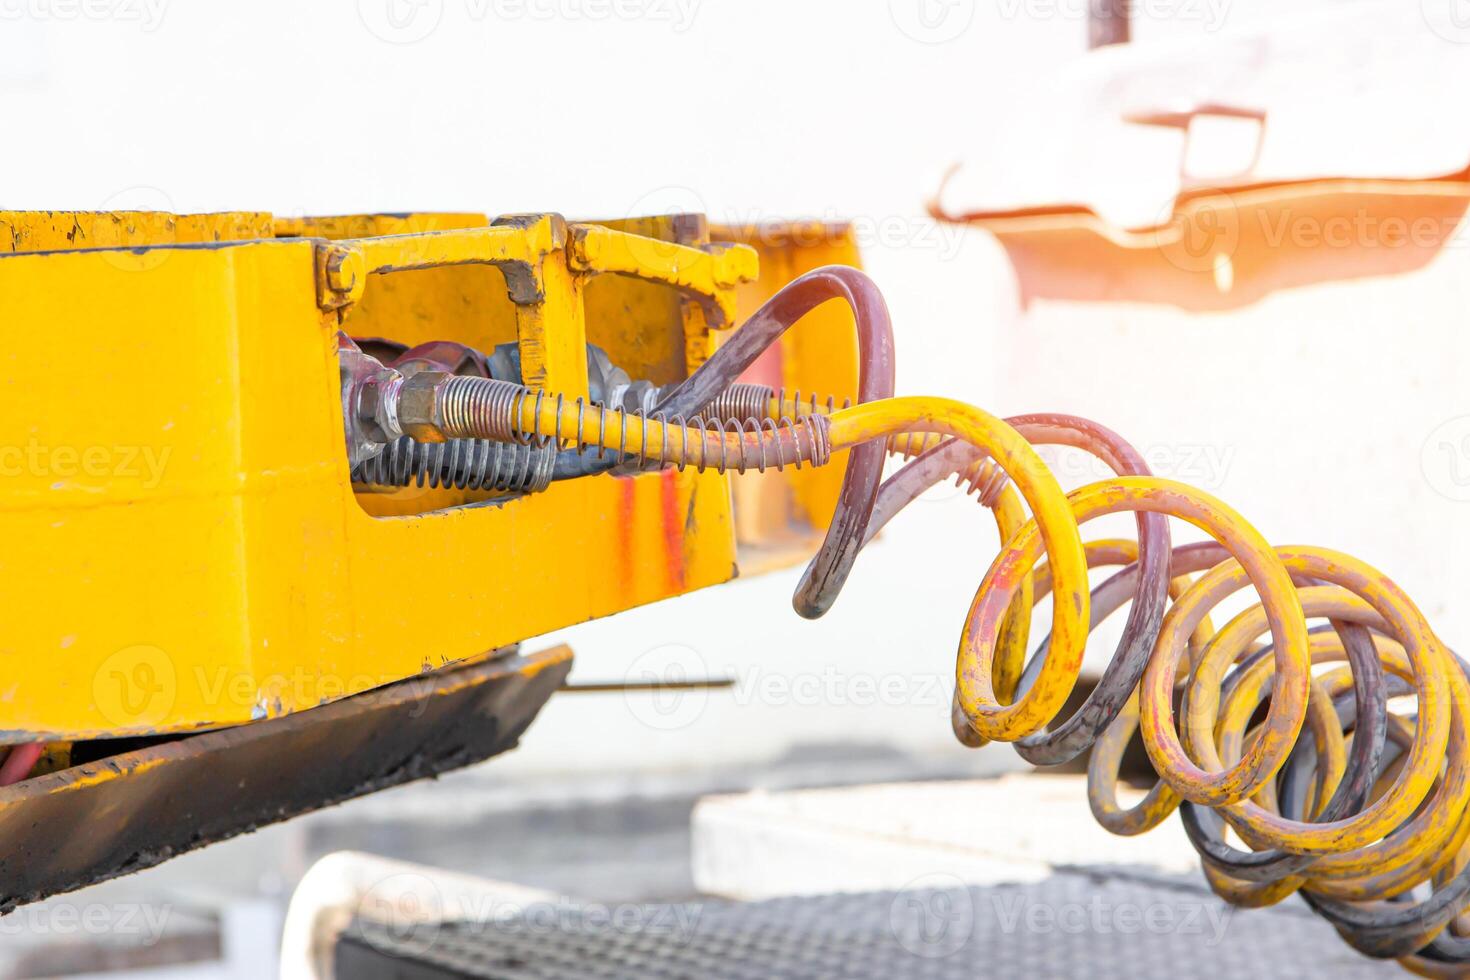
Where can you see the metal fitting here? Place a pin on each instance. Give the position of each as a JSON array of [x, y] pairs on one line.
[[344, 269], [635, 396], [369, 401], [341, 273], [377, 406], [420, 407]]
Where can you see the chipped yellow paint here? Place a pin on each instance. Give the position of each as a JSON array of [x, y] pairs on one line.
[[45, 231]]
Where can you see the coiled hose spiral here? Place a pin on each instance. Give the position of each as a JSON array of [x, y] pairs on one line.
[[1366, 816]]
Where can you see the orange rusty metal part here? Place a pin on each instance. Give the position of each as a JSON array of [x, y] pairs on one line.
[[1225, 247]]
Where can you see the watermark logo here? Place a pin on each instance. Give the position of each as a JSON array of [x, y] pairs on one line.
[[933, 916], [932, 21], [136, 687], [400, 21], [407, 908], [668, 693], [1445, 459], [131, 217], [1202, 237], [672, 199], [1450, 19]]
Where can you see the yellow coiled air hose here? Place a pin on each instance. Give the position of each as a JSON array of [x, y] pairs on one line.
[[1358, 869]]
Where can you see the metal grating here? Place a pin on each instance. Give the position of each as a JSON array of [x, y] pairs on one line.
[[1069, 925]]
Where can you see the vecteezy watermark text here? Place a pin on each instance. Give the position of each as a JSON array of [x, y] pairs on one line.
[[939, 915], [411, 908], [411, 21], [147, 14], [65, 919], [137, 687], [1205, 465], [37, 459], [1211, 14], [1097, 916]]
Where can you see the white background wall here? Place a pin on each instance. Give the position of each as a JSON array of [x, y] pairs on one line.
[[750, 109]]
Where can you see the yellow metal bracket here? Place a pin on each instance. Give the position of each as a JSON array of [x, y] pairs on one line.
[[516, 244], [531, 250], [707, 274]]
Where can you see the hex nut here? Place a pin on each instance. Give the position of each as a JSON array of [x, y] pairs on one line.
[[418, 406], [364, 437], [640, 396], [344, 269], [376, 406]]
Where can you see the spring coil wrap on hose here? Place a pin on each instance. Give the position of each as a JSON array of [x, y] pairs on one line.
[[481, 407], [1363, 811], [738, 402]]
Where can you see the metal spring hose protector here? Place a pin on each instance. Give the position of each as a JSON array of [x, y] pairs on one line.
[[460, 464], [743, 401], [484, 408]]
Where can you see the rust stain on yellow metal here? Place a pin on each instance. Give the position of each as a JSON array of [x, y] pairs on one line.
[[779, 515], [181, 511]]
